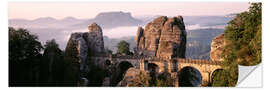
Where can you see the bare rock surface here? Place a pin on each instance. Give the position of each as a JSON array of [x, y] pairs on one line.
[[217, 46], [95, 39], [163, 37], [135, 77], [80, 47]]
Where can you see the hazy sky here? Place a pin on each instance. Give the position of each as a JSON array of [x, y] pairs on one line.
[[61, 10]]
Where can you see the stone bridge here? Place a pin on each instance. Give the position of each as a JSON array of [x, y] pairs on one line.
[[174, 66]]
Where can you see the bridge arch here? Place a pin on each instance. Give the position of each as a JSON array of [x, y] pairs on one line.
[[189, 76], [214, 71], [152, 67], [107, 62], [153, 70], [121, 70], [215, 77], [123, 66]]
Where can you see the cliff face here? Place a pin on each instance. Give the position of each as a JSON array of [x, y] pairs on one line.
[[87, 43], [95, 39], [78, 42], [80, 47], [163, 37], [217, 46]]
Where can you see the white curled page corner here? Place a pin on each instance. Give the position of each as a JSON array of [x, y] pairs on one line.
[[250, 76]]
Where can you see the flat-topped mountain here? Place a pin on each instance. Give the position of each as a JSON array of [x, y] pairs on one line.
[[113, 19]]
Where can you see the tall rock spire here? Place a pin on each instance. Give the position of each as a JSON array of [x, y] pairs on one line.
[[163, 37]]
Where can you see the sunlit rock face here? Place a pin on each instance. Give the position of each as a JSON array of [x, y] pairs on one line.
[[95, 39], [217, 47], [163, 37], [134, 77]]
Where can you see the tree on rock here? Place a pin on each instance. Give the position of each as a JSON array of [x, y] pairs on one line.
[[243, 45], [244, 34], [123, 48]]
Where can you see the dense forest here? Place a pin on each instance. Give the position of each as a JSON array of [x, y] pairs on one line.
[[28, 66], [243, 45], [31, 64]]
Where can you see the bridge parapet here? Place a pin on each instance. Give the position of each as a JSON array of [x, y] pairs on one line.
[[198, 61], [131, 57], [149, 58]]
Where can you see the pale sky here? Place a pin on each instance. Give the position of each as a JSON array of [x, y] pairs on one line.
[[84, 10]]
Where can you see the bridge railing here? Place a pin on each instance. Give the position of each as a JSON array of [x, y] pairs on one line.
[[130, 57], [198, 61], [151, 58]]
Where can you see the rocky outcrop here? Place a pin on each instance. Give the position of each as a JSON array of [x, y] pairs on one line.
[[95, 39], [80, 47], [80, 44], [163, 37], [135, 77], [217, 47]]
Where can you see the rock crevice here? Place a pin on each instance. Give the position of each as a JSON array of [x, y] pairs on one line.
[[80, 47], [217, 47], [163, 37]]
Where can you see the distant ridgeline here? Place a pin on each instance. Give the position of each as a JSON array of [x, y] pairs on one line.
[[106, 19]]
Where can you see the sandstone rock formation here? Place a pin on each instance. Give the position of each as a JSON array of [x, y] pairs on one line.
[[163, 37], [80, 44], [95, 39], [80, 47], [135, 77], [217, 46]]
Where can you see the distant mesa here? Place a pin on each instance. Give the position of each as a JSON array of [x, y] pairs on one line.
[[112, 20], [109, 15]]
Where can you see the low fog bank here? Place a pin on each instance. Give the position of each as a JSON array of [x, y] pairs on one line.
[[199, 26], [111, 36]]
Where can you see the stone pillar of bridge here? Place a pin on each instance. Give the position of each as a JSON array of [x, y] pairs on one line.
[[110, 57], [170, 66], [143, 65], [205, 78]]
